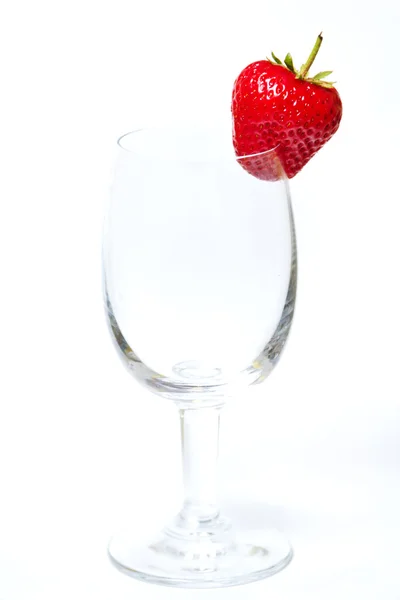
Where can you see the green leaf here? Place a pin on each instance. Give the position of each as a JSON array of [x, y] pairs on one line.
[[299, 74], [321, 75], [325, 84], [289, 62], [276, 59]]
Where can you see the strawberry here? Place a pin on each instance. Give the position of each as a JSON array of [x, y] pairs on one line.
[[276, 106]]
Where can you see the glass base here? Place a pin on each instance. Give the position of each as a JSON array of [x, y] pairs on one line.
[[206, 555]]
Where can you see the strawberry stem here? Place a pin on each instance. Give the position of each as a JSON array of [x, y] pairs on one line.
[[306, 67]]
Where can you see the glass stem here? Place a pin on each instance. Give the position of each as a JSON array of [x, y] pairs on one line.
[[200, 442]]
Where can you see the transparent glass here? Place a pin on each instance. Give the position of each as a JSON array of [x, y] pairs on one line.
[[199, 282]]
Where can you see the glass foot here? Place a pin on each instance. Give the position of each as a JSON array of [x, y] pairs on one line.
[[210, 555]]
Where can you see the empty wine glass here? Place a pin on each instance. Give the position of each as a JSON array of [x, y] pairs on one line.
[[199, 281]]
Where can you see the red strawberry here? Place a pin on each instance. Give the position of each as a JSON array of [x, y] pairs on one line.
[[276, 106]]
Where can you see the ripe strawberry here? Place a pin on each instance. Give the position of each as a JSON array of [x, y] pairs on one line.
[[276, 106]]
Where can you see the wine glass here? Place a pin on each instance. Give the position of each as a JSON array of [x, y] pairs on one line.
[[199, 280]]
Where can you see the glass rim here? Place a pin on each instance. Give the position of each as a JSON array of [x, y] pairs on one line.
[[203, 158]]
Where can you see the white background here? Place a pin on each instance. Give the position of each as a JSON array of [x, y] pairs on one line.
[[315, 449]]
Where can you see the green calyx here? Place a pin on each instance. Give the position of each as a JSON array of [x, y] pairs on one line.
[[302, 73]]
